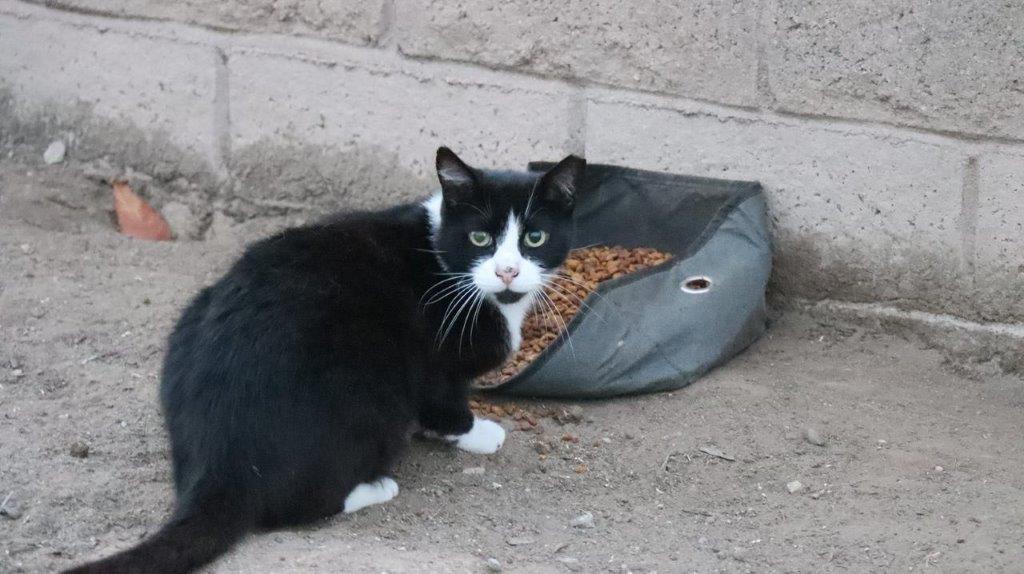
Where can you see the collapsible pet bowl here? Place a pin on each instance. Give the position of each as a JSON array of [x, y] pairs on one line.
[[664, 327]]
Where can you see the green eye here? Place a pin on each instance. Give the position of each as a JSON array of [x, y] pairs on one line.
[[480, 238], [535, 238]]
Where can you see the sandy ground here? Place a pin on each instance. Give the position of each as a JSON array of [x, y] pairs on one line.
[[922, 467]]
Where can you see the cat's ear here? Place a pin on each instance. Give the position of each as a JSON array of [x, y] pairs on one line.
[[457, 178], [560, 183]]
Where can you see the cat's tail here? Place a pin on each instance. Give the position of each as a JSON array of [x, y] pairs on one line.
[[194, 537]]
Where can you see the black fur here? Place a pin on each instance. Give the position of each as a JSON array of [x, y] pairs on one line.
[[300, 373]]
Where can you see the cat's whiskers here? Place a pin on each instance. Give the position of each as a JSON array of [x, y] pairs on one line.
[[461, 302], [558, 316], [452, 294], [443, 284], [565, 294], [476, 316], [455, 297], [475, 303], [450, 289], [564, 277]]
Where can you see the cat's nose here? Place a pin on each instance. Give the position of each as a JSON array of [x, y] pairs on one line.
[[507, 273]]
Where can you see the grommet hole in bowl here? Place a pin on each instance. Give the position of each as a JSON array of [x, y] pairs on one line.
[[697, 284]]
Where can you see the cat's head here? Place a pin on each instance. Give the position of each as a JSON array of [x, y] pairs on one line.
[[508, 231]]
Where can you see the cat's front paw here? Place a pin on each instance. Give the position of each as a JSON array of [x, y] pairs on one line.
[[485, 437]]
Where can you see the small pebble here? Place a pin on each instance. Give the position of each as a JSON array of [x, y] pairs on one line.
[[18, 373], [939, 469], [585, 520], [9, 508], [473, 470], [573, 564], [493, 565], [739, 554], [814, 437], [79, 450], [794, 486], [54, 153]]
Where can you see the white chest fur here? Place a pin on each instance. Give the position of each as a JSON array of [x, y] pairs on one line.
[[514, 313]]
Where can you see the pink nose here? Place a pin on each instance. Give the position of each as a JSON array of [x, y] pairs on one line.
[[507, 273]]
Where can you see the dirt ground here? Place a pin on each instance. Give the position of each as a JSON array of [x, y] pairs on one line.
[[922, 466]]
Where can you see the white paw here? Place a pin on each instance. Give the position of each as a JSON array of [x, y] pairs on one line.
[[369, 493], [485, 437]]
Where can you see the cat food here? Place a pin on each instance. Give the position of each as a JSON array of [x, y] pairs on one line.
[[526, 418], [583, 271]]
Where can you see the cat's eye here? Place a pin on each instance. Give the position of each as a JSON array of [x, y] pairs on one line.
[[535, 238], [480, 238]]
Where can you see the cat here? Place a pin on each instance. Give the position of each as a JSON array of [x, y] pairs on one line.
[[291, 385]]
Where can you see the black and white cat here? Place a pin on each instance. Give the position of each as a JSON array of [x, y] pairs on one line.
[[290, 385]]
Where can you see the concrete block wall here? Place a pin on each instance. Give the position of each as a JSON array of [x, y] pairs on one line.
[[889, 134]]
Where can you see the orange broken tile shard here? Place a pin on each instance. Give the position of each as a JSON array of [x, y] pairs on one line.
[[136, 218]]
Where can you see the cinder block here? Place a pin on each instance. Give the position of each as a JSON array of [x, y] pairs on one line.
[[163, 88], [350, 21], [387, 113], [702, 49], [857, 215], [942, 64], [999, 276]]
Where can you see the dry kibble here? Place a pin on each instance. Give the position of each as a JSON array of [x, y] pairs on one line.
[[583, 271]]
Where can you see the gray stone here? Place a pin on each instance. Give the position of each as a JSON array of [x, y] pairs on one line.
[[184, 224], [572, 564], [814, 437], [100, 170], [352, 21], [79, 449], [856, 214], [701, 48], [585, 520], [944, 64], [9, 507], [794, 487], [223, 229], [999, 237], [473, 470], [54, 152], [493, 565]]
